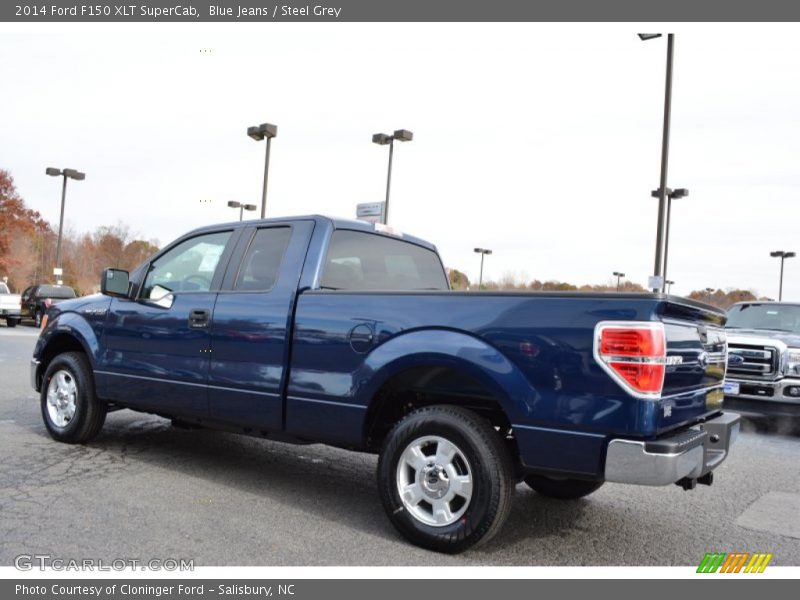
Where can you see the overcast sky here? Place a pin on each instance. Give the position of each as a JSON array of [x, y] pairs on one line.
[[539, 141]]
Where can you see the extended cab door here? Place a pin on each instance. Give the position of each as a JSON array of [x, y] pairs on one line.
[[157, 345], [252, 325]]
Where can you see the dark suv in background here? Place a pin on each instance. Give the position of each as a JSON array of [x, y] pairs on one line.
[[38, 298]]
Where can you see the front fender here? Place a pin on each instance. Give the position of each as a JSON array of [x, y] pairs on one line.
[[71, 325], [446, 348]]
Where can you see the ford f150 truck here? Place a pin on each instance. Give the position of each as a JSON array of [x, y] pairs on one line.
[[764, 358], [318, 330]]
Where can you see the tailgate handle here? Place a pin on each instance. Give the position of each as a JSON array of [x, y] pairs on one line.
[[198, 318]]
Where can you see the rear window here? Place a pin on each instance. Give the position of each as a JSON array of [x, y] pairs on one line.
[[365, 261], [55, 291]]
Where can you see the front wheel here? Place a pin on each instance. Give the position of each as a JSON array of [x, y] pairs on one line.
[[71, 411], [563, 489], [446, 478]]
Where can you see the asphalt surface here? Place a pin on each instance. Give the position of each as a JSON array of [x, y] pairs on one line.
[[145, 490]]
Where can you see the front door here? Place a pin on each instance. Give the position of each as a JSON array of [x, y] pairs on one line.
[[157, 345]]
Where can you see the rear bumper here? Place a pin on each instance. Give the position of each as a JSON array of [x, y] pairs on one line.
[[691, 453], [13, 313]]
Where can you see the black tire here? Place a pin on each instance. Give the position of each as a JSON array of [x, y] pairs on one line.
[[563, 489], [11, 322], [488, 463], [89, 414], [37, 318]]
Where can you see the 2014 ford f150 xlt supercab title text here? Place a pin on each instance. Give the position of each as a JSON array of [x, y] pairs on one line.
[[317, 330]]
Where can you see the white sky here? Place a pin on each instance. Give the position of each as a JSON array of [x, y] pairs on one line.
[[540, 141]]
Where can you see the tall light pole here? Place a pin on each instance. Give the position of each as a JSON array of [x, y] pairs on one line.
[[259, 132], [242, 207], [662, 188], [483, 252], [783, 256], [708, 294], [619, 276], [382, 139], [65, 173], [671, 195], [669, 285]]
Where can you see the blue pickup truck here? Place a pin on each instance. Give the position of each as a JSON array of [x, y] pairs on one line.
[[319, 330]]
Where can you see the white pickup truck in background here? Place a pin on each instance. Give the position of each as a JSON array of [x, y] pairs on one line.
[[10, 310]]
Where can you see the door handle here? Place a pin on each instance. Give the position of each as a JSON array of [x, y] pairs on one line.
[[198, 318]]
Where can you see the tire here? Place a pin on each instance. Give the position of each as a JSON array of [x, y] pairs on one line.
[[37, 318], [477, 507], [71, 411], [11, 322], [563, 489]]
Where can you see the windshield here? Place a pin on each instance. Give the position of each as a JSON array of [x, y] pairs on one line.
[[765, 316], [4, 288], [55, 291]]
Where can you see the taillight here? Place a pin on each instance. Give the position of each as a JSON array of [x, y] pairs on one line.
[[634, 354]]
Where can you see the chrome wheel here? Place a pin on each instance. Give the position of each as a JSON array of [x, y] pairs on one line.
[[434, 481], [62, 395]]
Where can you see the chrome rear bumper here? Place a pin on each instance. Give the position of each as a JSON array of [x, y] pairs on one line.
[[690, 454]]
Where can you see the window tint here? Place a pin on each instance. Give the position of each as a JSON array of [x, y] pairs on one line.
[[261, 263], [365, 261], [55, 291], [188, 267]]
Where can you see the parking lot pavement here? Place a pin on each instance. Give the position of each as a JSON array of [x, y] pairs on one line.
[[144, 489]]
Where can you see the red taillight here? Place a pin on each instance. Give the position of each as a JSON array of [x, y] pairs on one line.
[[634, 354]]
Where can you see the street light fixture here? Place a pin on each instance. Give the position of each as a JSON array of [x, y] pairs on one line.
[[783, 256], [483, 252], [259, 132], [618, 275], [671, 195], [66, 174], [708, 294], [242, 207], [383, 139], [662, 188], [669, 285]]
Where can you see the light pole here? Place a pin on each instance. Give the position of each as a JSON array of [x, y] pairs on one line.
[[619, 276], [242, 207], [65, 173], [783, 256], [662, 188], [259, 132], [483, 252], [669, 285], [708, 294], [671, 195], [382, 139]]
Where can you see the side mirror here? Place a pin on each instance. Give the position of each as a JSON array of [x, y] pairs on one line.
[[115, 282]]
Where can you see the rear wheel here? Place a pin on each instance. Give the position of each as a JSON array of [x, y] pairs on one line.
[[11, 322], [37, 318], [71, 411], [563, 489], [446, 478]]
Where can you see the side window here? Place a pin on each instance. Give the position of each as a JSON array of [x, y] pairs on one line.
[[188, 267], [262, 261], [366, 261]]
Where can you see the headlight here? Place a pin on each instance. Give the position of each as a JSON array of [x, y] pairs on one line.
[[793, 362]]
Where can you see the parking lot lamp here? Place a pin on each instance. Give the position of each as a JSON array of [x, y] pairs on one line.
[[783, 255], [260, 132], [709, 291], [671, 195], [662, 188], [669, 283], [483, 252], [384, 139], [619, 276], [241, 206], [65, 173]]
